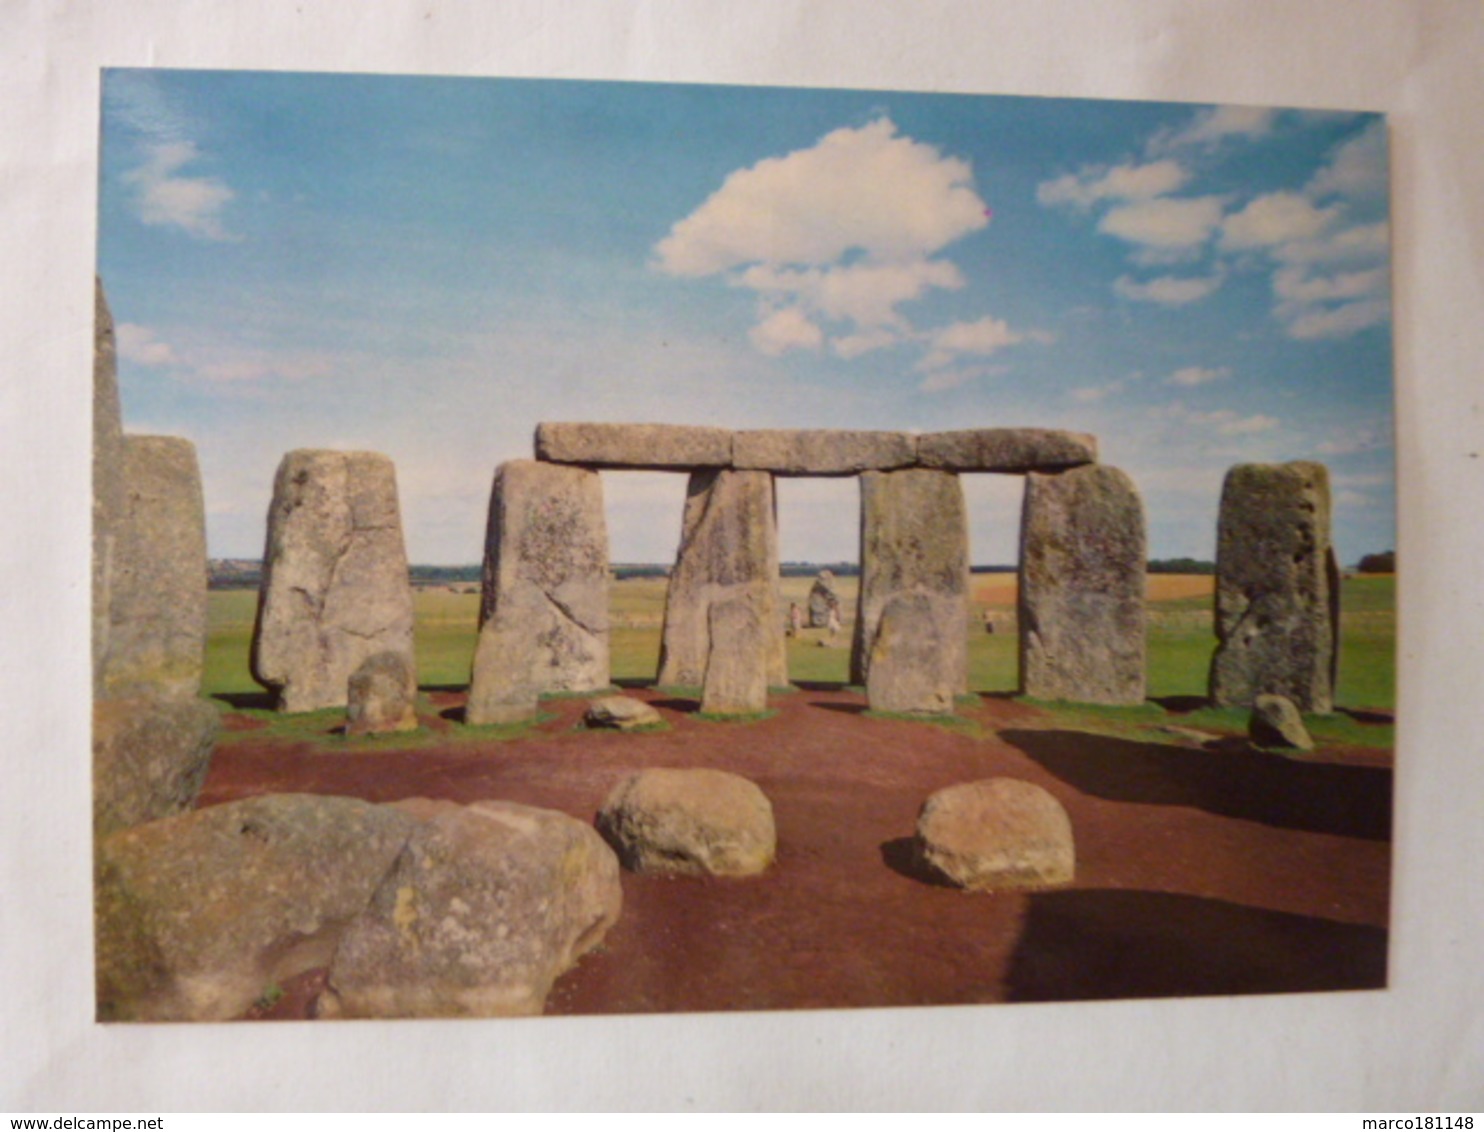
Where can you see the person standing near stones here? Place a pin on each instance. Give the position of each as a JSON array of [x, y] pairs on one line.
[[834, 621], [795, 619]]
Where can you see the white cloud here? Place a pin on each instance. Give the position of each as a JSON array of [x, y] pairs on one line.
[[786, 329], [1358, 244], [1341, 321], [841, 232], [1191, 376], [869, 189], [1367, 438], [983, 337], [1296, 285], [163, 198], [1227, 422], [941, 380], [1274, 219], [1211, 127], [1166, 223], [1168, 290], [1351, 499], [1090, 394], [1358, 168], [1093, 184], [140, 344]]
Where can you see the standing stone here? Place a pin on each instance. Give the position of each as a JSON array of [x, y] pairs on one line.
[[1277, 588], [822, 599], [335, 588], [108, 485], [913, 611], [728, 551], [736, 681], [1081, 604], [381, 696], [544, 614], [157, 615]]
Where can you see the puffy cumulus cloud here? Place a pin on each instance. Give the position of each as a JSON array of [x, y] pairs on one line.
[[1227, 422], [954, 377], [1212, 127], [1357, 168], [980, 338], [164, 198], [1296, 285], [1168, 290], [1359, 243], [1274, 219], [142, 346], [1165, 224], [866, 189], [1190, 376], [1095, 184], [784, 330], [833, 239]]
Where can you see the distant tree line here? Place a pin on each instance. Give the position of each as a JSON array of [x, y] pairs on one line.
[[1382, 563], [1181, 566]]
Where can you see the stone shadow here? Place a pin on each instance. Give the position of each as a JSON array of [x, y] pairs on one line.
[[250, 701], [1248, 784], [902, 856], [1104, 944]]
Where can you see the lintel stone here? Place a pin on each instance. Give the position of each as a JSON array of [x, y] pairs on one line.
[[1006, 450], [652, 446], [821, 451]]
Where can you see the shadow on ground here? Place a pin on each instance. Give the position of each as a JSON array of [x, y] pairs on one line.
[[1252, 785], [1079, 945]]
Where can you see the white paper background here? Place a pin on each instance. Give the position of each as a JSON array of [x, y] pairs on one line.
[[1419, 1045]]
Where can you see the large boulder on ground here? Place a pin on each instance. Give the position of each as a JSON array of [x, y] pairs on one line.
[[728, 551], [821, 451], [915, 560], [157, 577], [695, 821], [1277, 588], [198, 915], [335, 588], [150, 757], [108, 483], [1081, 602], [1275, 722], [620, 713], [999, 833], [382, 696], [1006, 450], [544, 613], [485, 907], [634, 445]]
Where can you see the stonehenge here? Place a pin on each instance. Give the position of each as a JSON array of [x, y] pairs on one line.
[[1277, 588], [543, 617], [335, 589], [1081, 600]]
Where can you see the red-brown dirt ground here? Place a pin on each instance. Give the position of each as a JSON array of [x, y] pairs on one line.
[[1201, 868]]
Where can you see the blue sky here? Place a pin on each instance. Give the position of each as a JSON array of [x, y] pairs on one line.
[[428, 267]]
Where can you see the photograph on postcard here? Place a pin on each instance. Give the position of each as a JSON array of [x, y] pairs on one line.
[[588, 547]]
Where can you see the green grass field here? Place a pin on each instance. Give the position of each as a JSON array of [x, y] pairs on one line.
[[1180, 638]]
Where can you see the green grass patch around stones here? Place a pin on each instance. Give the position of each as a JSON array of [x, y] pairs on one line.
[[736, 717], [958, 724]]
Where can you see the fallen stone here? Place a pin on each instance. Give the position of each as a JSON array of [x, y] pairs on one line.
[[821, 452], [621, 713], [1276, 722], [693, 821], [335, 588], [728, 551], [915, 558], [1006, 450], [736, 680], [544, 612], [999, 833], [485, 907], [150, 757], [197, 915], [108, 475], [382, 696], [1277, 588], [157, 575], [1081, 606], [655, 446]]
